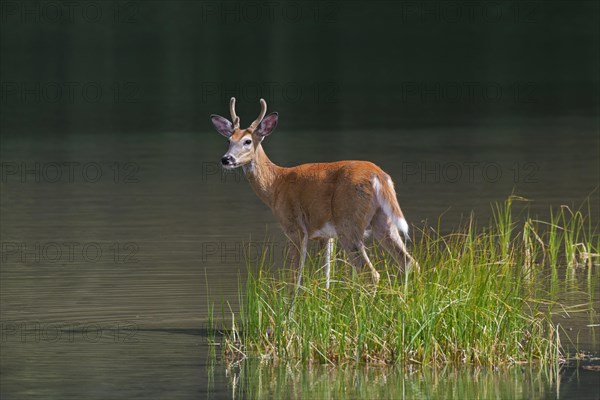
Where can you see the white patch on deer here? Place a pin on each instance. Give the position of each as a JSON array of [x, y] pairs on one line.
[[327, 231], [403, 226], [248, 168], [390, 181]]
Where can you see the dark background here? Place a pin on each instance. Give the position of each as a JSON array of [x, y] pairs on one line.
[[147, 66]]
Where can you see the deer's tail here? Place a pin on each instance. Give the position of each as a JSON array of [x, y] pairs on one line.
[[386, 197]]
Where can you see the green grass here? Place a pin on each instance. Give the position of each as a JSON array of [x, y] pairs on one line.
[[478, 300]]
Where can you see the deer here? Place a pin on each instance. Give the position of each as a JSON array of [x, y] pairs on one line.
[[343, 200]]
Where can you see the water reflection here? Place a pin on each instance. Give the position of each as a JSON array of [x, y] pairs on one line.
[[252, 379]]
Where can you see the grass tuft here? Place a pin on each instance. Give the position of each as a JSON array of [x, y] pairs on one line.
[[477, 300]]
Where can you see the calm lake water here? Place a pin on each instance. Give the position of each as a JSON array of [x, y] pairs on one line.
[[112, 246]]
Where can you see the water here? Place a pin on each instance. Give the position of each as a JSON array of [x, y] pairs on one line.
[[118, 226], [171, 363], [106, 278]]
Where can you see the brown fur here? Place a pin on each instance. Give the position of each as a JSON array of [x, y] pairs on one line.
[[306, 197]]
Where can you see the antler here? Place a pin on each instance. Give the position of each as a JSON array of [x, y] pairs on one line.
[[263, 111], [234, 118]]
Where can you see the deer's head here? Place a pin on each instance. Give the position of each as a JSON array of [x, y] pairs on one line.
[[243, 142]]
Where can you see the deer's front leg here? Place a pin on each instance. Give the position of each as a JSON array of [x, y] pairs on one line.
[[298, 249], [327, 244]]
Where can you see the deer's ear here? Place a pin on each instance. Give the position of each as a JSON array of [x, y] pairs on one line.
[[267, 125], [222, 125]]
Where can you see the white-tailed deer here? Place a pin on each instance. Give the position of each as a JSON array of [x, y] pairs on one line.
[[322, 201]]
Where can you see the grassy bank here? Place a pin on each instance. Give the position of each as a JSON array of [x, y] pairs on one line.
[[479, 299]]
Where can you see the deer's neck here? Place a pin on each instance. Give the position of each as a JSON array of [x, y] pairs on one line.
[[262, 174]]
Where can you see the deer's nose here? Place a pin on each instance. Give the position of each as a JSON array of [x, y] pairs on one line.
[[226, 160]]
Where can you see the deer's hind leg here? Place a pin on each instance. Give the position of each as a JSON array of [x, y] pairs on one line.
[[386, 233], [351, 231], [358, 255]]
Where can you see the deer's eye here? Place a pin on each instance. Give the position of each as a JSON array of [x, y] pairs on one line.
[[247, 142]]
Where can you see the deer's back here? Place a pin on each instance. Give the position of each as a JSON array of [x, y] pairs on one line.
[[318, 194]]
